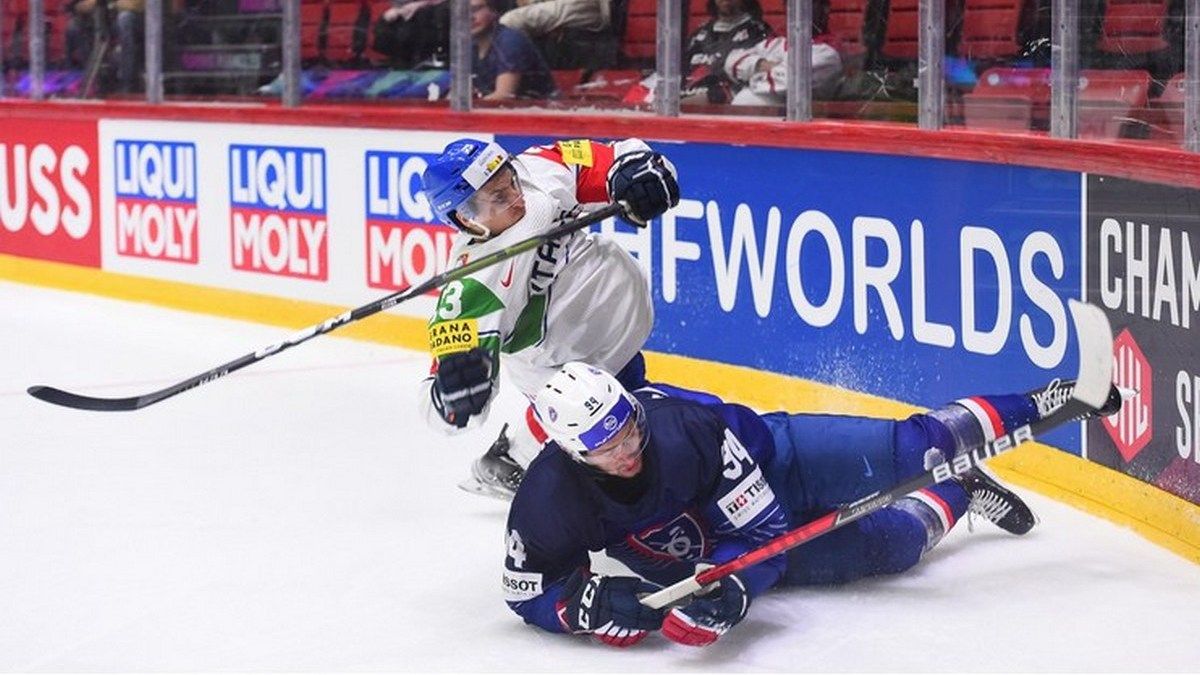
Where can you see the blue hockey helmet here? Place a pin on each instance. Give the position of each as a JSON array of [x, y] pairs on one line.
[[455, 175]]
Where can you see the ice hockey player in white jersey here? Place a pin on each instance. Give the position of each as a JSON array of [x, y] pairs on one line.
[[580, 297]]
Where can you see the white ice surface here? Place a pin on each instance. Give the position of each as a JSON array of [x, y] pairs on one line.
[[298, 516]]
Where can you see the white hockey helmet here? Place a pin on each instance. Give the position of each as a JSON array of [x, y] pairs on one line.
[[582, 407]]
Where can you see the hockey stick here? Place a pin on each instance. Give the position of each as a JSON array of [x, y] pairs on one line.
[[1091, 392], [81, 402]]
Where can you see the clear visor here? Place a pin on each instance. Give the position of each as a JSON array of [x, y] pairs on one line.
[[497, 195], [628, 442]]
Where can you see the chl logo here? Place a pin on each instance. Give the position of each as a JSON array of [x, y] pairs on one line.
[[278, 212], [405, 246], [155, 187], [1131, 427]]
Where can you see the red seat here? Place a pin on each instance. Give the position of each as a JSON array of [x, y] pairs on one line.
[[1108, 99], [903, 26], [775, 14], [1008, 98], [567, 80], [1133, 27], [846, 20], [608, 85], [990, 29], [1170, 104], [312, 16], [638, 43], [342, 17]]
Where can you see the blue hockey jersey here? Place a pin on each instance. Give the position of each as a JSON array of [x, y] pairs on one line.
[[701, 497]]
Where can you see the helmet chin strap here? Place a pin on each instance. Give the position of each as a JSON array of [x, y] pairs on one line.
[[472, 227]]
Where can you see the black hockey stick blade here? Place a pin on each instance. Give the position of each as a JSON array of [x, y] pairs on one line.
[[1092, 387], [69, 400], [81, 402]]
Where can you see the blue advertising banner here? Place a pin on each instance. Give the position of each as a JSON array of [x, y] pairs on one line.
[[919, 280]]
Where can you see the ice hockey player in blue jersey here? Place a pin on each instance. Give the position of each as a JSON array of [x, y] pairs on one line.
[[663, 484]]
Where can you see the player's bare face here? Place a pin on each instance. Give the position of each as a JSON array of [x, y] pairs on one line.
[[499, 204], [622, 456]]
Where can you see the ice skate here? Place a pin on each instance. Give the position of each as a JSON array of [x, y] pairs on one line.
[[1058, 392], [995, 503], [496, 473]]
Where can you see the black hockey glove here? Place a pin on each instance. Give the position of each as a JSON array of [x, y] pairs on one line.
[[706, 618], [646, 183], [463, 385], [608, 608]]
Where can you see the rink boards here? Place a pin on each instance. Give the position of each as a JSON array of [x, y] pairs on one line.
[[790, 278]]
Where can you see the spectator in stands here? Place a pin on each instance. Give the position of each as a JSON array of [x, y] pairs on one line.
[[733, 24], [126, 24], [760, 71], [538, 18], [506, 64], [414, 32]]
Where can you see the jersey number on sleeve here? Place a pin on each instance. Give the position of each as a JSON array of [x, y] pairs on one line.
[[735, 456], [450, 304], [516, 549]]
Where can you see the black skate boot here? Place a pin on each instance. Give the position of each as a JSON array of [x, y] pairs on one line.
[[1058, 392], [496, 473], [996, 503]]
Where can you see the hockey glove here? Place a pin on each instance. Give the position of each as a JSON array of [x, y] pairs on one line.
[[706, 618], [646, 183], [463, 385], [608, 608]]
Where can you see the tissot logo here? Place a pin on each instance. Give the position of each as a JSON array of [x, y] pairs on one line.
[[1131, 427]]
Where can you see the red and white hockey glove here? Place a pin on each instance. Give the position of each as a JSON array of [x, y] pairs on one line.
[[608, 608], [706, 618]]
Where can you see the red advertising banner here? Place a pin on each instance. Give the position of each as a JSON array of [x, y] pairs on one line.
[[49, 187]]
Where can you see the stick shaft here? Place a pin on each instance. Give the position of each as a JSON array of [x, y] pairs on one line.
[[78, 401]]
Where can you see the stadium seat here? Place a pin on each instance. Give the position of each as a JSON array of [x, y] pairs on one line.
[[638, 43], [1008, 98], [343, 17], [1133, 27], [903, 26], [1110, 98], [1169, 106], [567, 80], [846, 22], [606, 85], [775, 14], [990, 29], [314, 18]]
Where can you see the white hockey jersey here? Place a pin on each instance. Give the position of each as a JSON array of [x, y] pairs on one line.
[[579, 298]]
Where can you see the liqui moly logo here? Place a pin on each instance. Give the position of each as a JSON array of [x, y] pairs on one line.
[[155, 184], [1131, 427], [405, 244], [278, 213]]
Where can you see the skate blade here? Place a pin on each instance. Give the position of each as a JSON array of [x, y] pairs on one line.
[[476, 487]]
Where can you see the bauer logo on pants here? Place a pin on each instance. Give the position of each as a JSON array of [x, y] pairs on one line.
[[278, 212], [405, 244], [155, 185]]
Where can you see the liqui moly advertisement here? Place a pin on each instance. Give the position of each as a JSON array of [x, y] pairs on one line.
[[48, 188], [278, 215], [405, 243], [156, 213]]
